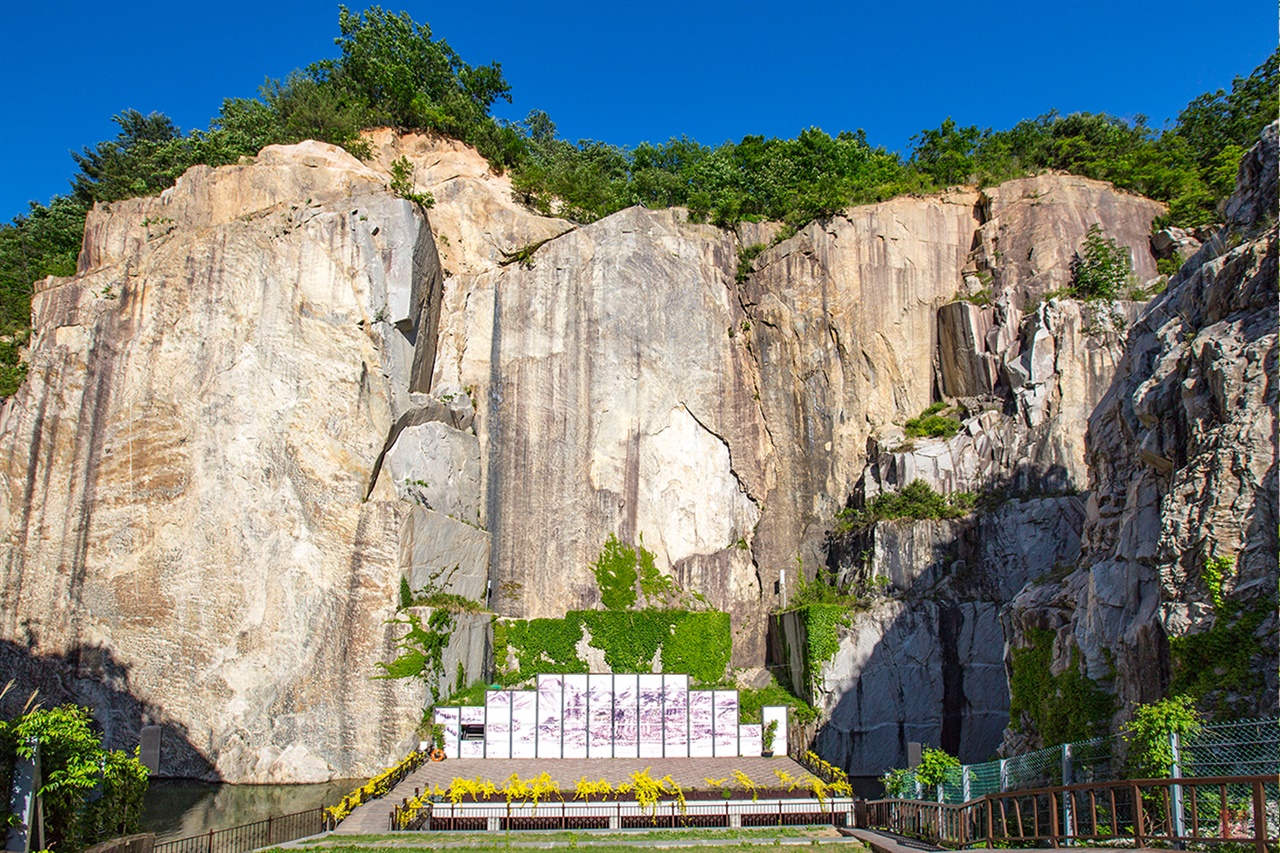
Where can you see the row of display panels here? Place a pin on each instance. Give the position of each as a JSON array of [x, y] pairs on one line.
[[605, 716]]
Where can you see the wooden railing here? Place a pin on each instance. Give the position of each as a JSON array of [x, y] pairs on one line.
[[1236, 809]]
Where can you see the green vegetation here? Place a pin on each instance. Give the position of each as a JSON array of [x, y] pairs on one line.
[[751, 700], [900, 783], [697, 643], [1147, 734], [392, 72], [616, 574], [1215, 570], [402, 183], [1101, 269], [421, 649], [1218, 661], [936, 766], [1065, 707], [75, 769], [933, 422], [746, 260], [916, 501]]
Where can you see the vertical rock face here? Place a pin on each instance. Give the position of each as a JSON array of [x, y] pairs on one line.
[[185, 467], [277, 389], [1182, 459]]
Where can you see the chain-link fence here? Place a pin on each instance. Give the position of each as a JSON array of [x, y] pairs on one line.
[[1238, 748]]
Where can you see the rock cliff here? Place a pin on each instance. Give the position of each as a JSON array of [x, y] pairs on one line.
[[276, 389], [1182, 462]]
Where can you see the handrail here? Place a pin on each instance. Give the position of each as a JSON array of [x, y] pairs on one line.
[[1202, 810]]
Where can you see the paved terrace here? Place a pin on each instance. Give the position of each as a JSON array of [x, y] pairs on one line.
[[687, 773]]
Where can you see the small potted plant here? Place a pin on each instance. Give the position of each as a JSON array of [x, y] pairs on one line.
[[767, 735]]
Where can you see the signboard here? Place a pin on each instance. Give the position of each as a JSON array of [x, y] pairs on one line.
[[701, 724], [675, 716], [599, 716], [524, 724], [650, 726], [575, 716], [726, 723], [550, 715]]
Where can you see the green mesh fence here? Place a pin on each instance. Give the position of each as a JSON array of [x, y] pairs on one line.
[[1239, 748]]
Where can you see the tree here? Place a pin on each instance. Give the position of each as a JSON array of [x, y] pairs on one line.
[[1101, 269], [946, 154], [74, 766]]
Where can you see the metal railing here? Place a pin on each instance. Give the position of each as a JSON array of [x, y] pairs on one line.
[[1176, 811], [622, 814], [250, 836]]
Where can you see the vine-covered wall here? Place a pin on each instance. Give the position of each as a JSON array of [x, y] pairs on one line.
[[685, 641]]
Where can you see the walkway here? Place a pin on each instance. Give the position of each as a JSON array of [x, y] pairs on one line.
[[687, 772]]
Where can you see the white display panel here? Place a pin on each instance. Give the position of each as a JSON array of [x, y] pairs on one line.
[[550, 714], [777, 713], [701, 724], [448, 717], [625, 716], [524, 724], [471, 716], [599, 716], [749, 739], [675, 716], [497, 724], [575, 717], [726, 723], [650, 726]]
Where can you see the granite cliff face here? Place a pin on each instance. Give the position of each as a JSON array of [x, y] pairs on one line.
[[277, 388], [1182, 462]]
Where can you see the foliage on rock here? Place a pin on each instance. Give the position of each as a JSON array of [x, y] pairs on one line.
[[916, 501], [933, 422], [1101, 269], [1062, 708]]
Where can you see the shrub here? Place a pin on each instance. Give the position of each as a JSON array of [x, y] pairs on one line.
[[935, 767], [917, 501], [932, 423], [74, 766], [1150, 755], [1101, 269]]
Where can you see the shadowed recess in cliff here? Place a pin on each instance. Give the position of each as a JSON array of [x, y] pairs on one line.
[[90, 675]]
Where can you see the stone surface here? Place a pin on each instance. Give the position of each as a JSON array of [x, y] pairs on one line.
[[1182, 459], [1032, 228], [183, 473], [219, 456]]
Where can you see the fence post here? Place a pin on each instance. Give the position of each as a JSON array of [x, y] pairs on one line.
[[1175, 791], [1068, 772], [964, 784], [1004, 775]]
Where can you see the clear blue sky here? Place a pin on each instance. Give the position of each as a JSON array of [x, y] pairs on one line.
[[625, 72]]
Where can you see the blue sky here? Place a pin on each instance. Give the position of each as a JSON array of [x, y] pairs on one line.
[[625, 72]]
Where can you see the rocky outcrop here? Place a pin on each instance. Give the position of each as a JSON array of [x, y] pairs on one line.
[[1182, 460], [277, 389], [184, 470]]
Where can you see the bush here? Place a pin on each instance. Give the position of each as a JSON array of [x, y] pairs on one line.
[[1101, 269], [936, 766], [74, 766], [917, 501], [932, 423], [1147, 734]]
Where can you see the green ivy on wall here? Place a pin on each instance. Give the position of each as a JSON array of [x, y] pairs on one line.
[[1219, 661], [1065, 707], [421, 649], [822, 624], [616, 573], [693, 642]]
